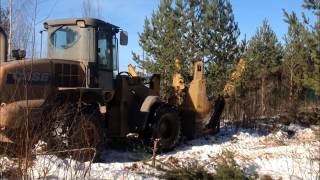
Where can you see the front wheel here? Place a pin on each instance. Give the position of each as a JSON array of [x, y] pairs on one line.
[[86, 136], [78, 133], [167, 127]]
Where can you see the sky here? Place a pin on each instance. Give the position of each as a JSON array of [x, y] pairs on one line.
[[130, 15]]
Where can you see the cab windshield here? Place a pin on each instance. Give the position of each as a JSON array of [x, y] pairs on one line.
[[64, 37]]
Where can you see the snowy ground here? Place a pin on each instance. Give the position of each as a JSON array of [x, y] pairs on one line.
[[290, 154]]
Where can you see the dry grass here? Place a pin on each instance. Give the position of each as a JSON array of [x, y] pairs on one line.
[[36, 141]]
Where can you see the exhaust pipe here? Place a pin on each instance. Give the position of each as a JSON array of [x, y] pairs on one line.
[[3, 46]]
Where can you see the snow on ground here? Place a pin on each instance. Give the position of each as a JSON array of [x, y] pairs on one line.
[[292, 153]]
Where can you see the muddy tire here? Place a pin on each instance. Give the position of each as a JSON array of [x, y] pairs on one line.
[[86, 136], [167, 127], [85, 133], [59, 119], [78, 134]]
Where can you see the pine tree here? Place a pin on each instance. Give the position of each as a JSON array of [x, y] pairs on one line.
[[302, 55], [263, 55], [190, 31], [222, 34], [295, 55], [314, 49], [161, 40], [312, 36], [313, 5]]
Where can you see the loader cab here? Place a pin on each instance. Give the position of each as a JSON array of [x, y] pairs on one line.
[[92, 42]]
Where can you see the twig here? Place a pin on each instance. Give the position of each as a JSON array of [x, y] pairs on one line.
[[155, 149], [64, 151], [91, 161]]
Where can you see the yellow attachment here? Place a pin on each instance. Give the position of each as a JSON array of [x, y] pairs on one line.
[[178, 84], [235, 76], [132, 71], [178, 65], [178, 81], [197, 99]]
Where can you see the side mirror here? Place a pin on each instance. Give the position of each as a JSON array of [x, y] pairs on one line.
[[123, 38]]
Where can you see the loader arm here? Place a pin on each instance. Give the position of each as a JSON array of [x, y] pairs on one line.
[[132, 71]]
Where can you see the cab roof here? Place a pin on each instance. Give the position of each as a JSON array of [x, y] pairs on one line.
[[73, 21]]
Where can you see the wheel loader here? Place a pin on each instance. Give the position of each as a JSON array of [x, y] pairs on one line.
[[78, 97]]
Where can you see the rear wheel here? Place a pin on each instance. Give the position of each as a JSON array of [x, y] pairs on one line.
[[167, 127]]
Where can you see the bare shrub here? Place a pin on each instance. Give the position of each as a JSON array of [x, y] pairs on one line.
[[77, 140]]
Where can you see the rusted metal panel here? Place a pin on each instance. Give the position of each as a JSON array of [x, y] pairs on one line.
[[13, 115]]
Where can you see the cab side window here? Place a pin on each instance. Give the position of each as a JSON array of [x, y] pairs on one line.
[[104, 51]]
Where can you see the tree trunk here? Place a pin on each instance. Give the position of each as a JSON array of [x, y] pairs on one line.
[[291, 86], [263, 104]]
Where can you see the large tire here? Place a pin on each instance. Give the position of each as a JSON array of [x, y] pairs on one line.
[[86, 134], [77, 133], [59, 119], [167, 127]]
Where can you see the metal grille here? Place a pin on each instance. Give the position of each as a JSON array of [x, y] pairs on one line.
[[66, 75]]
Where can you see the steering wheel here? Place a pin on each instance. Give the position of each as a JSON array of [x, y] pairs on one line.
[[125, 72]]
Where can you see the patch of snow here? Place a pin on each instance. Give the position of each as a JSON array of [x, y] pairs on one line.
[[295, 127], [5, 164], [274, 154]]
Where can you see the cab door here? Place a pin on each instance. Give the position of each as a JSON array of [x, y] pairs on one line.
[[105, 60]]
